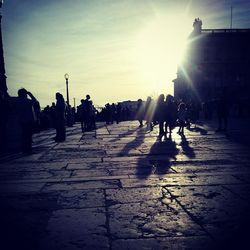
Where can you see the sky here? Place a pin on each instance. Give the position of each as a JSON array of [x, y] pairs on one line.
[[114, 50]]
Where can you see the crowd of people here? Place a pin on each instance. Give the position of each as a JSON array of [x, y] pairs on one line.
[[165, 112], [168, 113], [115, 113]]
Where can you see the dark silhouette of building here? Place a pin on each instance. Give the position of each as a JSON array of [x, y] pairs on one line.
[[3, 86], [215, 59]]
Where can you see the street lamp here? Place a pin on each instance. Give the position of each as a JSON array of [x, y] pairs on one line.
[[66, 76]]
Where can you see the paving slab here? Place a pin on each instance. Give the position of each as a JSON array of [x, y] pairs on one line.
[[120, 187], [76, 229]]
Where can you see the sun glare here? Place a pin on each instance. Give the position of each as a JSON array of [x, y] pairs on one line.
[[160, 47]]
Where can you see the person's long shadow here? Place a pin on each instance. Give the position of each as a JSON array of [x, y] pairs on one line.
[[134, 144], [128, 133], [187, 150], [158, 160]]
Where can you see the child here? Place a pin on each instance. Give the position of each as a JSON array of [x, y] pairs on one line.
[[182, 113]]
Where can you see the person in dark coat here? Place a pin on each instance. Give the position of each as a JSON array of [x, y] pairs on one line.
[[82, 115], [140, 112], [27, 118], [108, 113], [159, 114], [170, 113], [118, 113], [60, 118]]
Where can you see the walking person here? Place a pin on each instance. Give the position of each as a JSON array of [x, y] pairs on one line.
[[182, 113], [60, 118], [140, 112]]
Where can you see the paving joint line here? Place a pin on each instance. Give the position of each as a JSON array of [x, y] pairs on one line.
[[107, 223], [193, 217]]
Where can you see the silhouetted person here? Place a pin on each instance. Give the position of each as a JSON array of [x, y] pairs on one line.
[[27, 118], [87, 109], [60, 118], [52, 112], [113, 113], [82, 114], [140, 112], [92, 115], [149, 112], [37, 111], [108, 113], [170, 113], [182, 113], [45, 121], [159, 114], [73, 111], [69, 116], [4, 111], [118, 113], [127, 113]]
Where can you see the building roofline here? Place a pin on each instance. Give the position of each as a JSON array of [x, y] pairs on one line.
[[225, 31]]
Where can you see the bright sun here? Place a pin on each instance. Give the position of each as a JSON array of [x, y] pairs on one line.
[[160, 47]]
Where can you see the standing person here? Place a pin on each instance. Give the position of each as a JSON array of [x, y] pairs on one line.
[[182, 113], [149, 113], [87, 110], [52, 113], [92, 115], [37, 110], [113, 113], [27, 119], [118, 113], [69, 116], [170, 113], [60, 118], [82, 115], [140, 112], [107, 113], [4, 111], [159, 114]]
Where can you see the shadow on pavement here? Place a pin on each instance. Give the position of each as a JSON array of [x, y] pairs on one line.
[[158, 160], [139, 138], [187, 150]]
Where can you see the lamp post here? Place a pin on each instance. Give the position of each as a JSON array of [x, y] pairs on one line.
[[66, 76], [3, 85]]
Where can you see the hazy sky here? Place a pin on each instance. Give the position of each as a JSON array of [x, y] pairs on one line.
[[112, 49]]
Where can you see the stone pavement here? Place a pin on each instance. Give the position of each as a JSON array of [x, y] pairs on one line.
[[120, 188]]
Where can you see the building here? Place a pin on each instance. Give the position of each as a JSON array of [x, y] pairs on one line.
[[216, 60], [3, 86]]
